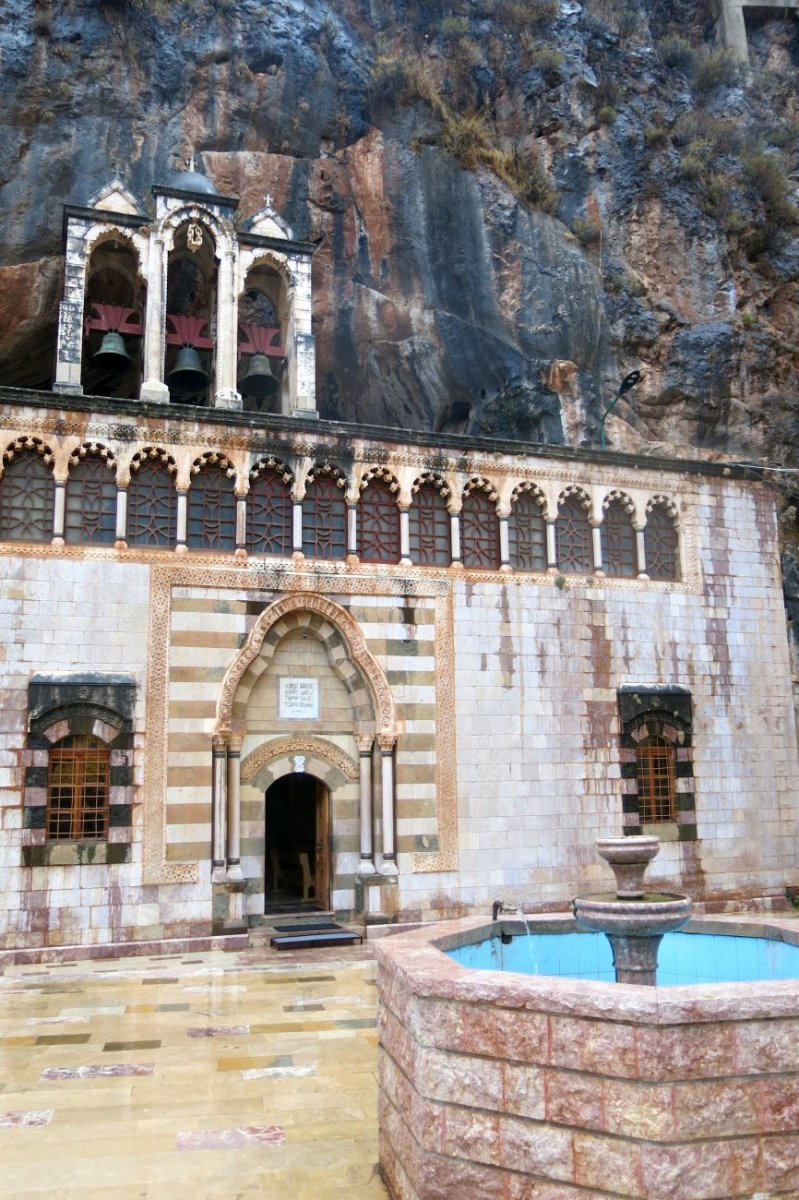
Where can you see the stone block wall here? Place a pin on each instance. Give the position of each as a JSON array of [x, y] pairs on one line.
[[494, 1086], [504, 688], [64, 617], [538, 669]]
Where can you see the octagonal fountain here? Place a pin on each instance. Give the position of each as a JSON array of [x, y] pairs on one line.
[[562, 1084]]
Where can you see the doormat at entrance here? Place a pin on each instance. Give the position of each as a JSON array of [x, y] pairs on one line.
[[314, 937], [292, 908], [306, 927]]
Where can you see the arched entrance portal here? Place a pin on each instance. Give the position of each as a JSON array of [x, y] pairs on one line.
[[304, 696], [296, 823]]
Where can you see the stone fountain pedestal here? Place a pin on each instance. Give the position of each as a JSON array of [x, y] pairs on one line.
[[633, 920]]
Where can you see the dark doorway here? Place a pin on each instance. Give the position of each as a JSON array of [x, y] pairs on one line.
[[296, 845]]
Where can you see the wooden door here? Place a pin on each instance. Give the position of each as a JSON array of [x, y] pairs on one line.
[[322, 848]]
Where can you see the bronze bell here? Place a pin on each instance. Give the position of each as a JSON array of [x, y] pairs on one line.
[[112, 352], [187, 375], [259, 380]]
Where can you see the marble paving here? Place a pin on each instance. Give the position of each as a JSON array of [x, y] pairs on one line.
[[215, 1077]]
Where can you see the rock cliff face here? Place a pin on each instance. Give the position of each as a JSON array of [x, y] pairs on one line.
[[516, 201]]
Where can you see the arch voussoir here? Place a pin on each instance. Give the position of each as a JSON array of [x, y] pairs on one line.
[[354, 662]]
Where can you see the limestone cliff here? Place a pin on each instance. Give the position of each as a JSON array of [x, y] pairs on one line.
[[516, 201]]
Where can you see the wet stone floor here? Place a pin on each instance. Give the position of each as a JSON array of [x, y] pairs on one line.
[[210, 1076]]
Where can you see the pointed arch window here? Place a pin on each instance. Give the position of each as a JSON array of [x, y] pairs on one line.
[[527, 532], [661, 542], [429, 527], [480, 530], [152, 500], [619, 554], [379, 522], [211, 510], [26, 496], [574, 535], [91, 498], [269, 510], [324, 516]]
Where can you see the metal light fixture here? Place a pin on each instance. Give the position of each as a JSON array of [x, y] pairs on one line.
[[626, 384]]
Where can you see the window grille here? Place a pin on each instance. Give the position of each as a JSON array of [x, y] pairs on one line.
[[78, 780], [26, 499], [527, 534], [662, 545], [655, 771], [619, 554], [378, 524], [574, 536], [269, 515], [480, 531], [211, 510], [91, 502], [152, 506], [324, 519], [429, 522]]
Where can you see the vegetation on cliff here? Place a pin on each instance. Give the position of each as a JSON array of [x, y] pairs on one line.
[[508, 194]]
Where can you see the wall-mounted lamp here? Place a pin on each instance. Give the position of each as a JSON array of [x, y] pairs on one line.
[[626, 384]]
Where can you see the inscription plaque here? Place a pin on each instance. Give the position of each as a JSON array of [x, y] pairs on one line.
[[299, 699]]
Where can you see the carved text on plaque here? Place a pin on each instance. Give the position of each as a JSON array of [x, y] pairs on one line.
[[299, 699]]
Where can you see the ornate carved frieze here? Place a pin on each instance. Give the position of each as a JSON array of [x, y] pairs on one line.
[[308, 747]]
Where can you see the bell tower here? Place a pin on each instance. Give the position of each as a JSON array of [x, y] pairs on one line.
[[184, 307]]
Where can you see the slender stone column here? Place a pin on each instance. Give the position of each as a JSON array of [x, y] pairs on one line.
[[352, 530], [122, 519], [218, 809], [596, 548], [504, 545], [227, 395], [552, 545], [640, 549], [296, 527], [405, 538], [182, 522], [367, 863], [241, 527], [234, 810], [69, 350], [389, 864], [153, 386], [455, 536], [59, 511]]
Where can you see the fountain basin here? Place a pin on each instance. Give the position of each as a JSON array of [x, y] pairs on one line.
[[653, 915], [634, 928], [628, 857], [497, 1085]]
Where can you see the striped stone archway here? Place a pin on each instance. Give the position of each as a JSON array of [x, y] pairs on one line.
[[374, 719]]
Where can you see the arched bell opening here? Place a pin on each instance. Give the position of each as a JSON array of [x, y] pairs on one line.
[[112, 321], [263, 335], [190, 315], [296, 839]]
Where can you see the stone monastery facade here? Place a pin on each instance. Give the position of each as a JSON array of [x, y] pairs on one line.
[[254, 659]]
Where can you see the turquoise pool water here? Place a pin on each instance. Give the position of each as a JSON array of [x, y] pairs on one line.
[[683, 957]]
